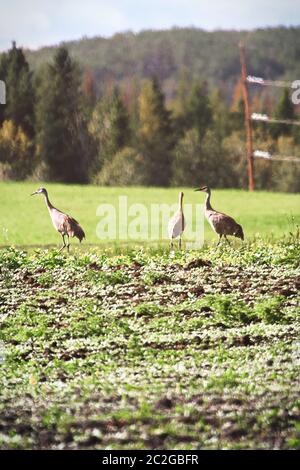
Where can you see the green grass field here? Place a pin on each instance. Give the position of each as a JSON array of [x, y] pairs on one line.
[[118, 346], [24, 220]]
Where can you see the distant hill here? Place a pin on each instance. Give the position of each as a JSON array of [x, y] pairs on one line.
[[214, 56]]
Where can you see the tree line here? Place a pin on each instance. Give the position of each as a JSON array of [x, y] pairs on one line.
[[272, 53], [55, 126]]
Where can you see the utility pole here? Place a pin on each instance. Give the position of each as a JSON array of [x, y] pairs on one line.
[[248, 122]]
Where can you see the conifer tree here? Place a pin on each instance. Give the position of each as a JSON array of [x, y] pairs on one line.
[[19, 107], [155, 134], [110, 127], [237, 107], [198, 112], [61, 129], [283, 110], [89, 91]]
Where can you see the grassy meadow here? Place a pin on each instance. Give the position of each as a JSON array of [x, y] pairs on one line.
[[143, 348], [24, 220]]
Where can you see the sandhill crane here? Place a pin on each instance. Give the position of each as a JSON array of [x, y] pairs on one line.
[[63, 223], [177, 223], [221, 223]]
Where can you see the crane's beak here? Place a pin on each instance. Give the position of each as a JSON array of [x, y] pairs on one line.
[[200, 189], [35, 192]]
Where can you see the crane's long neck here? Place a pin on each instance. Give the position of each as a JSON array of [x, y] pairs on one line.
[[180, 201], [207, 202], [48, 203]]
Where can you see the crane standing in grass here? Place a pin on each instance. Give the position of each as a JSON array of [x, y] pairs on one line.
[[63, 223], [177, 223], [221, 223]]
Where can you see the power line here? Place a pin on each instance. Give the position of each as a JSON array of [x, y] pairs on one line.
[[265, 118], [263, 82], [278, 158]]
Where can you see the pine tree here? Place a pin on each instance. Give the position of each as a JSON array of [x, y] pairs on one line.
[[133, 88], [155, 134], [179, 103], [237, 107], [182, 94], [110, 127], [61, 129], [120, 133], [19, 108], [89, 91], [221, 124], [198, 111], [284, 110]]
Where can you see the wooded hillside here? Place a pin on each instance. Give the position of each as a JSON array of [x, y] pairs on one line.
[[213, 56]]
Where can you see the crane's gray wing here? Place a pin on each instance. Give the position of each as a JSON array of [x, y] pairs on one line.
[[223, 223], [73, 228]]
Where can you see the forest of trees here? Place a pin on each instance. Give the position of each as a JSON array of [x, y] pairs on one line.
[[61, 124], [271, 52]]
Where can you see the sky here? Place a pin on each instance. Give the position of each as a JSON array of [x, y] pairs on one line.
[[36, 23]]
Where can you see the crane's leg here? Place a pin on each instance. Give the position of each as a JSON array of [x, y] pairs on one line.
[[68, 243], [220, 236], [171, 244], [64, 244], [227, 240], [179, 243]]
